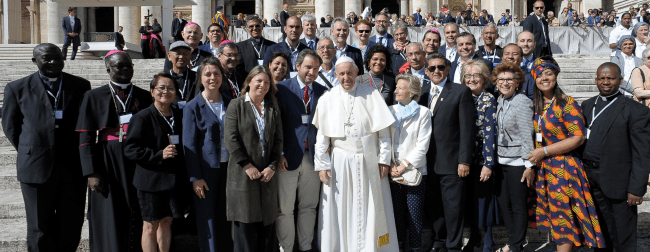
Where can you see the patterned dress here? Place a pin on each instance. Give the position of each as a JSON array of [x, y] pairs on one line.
[[564, 202]]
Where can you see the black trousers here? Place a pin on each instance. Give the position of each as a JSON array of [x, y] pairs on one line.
[[512, 196], [254, 237], [55, 213], [445, 205], [620, 219], [144, 45], [66, 43]]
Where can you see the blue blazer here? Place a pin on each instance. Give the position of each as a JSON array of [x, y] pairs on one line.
[[206, 48], [291, 110], [389, 40], [443, 50], [67, 28], [282, 47], [593, 21], [484, 22], [448, 19], [304, 42], [201, 136], [418, 18]]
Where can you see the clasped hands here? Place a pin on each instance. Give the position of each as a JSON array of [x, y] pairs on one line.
[[254, 174]]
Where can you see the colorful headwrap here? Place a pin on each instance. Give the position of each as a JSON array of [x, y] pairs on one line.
[[542, 63], [191, 23], [226, 42], [111, 52]]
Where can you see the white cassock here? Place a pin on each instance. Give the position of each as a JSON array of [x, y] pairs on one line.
[[356, 211]]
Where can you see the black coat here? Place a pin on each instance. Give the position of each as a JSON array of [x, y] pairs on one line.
[[532, 24], [177, 28], [145, 141], [67, 28], [119, 41], [452, 139], [237, 81], [248, 55], [283, 17], [275, 23], [28, 122], [624, 157]]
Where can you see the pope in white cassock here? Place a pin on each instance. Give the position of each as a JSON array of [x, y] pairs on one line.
[[352, 154]]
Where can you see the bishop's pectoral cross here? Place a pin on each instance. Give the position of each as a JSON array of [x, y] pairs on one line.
[[148, 15], [348, 124]]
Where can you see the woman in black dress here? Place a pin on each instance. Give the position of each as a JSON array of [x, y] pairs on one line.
[[152, 143]]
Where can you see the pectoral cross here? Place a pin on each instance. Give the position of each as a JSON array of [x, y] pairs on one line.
[[147, 17], [348, 124]]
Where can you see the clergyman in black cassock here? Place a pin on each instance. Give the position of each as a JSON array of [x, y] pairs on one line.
[[113, 211], [39, 115]]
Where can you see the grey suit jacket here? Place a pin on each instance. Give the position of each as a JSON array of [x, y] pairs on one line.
[[250, 201], [515, 126], [619, 60]]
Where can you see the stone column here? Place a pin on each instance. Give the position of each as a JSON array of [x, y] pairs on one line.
[[166, 21], [131, 20], [201, 15], [116, 18], [353, 5], [154, 11], [228, 10], [323, 8], [423, 5], [275, 6], [259, 8], [92, 19], [12, 33], [35, 21], [83, 17], [403, 8], [54, 16]]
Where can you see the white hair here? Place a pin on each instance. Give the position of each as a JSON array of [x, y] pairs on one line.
[[345, 59]]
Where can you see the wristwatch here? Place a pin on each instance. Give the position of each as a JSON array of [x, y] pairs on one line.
[[272, 167]]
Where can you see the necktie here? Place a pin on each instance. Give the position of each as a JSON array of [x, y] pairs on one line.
[[381, 41], [543, 32], [434, 98], [305, 100], [311, 44]]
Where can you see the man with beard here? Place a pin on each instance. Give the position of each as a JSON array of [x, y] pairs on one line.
[[192, 36], [615, 157], [381, 27], [326, 72], [177, 26], [215, 36], [449, 50], [179, 54], [309, 31], [291, 45], [228, 55], [539, 27], [39, 116], [252, 50], [490, 51], [526, 41], [340, 31], [113, 212], [298, 183], [513, 54], [466, 43]]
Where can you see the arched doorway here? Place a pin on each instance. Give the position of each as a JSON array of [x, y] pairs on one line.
[[378, 5]]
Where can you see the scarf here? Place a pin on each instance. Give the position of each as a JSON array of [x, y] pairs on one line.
[[542, 63], [403, 113], [401, 46]]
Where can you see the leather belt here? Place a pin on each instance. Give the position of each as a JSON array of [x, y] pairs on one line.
[[591, 164]]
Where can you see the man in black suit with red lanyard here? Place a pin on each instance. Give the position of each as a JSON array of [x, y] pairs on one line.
[[539, 27], [615, 157], [39, 116]]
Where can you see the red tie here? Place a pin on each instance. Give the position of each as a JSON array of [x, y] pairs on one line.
[[305, 100]]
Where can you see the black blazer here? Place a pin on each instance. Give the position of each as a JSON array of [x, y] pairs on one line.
[[29, 124], [397, 61], [145, 141], [177, 28], [119, 41], [283, 17], [355, 54], [625, 161], [225, 88], [283, 47], [248, 56], [67, 28], [532, 24], [452, 140], [275, 23]]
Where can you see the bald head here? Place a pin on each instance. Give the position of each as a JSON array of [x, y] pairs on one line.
[[40, 48], [49, 59], [119, 67], [609, 66], [192, 35]]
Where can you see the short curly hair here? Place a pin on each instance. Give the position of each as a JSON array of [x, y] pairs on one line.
[[512, 68], [377, 48]]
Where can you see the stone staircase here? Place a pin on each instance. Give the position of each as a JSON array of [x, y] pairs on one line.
[[576, 79], [12, 52]]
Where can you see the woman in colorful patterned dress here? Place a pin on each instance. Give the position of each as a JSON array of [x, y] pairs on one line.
[[481, 202], [564, 203]]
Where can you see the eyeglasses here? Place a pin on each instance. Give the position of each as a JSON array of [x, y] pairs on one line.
[[254, 26], [364, 31], [321, 48], [165, 89], [505, 80], [440, 68], [475, 76], [418, 53], [539, 8], [231, 55]]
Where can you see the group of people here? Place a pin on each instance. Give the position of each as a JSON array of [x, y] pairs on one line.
[[312, 144]]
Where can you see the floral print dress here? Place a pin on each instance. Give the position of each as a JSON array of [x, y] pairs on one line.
[[564, 203]]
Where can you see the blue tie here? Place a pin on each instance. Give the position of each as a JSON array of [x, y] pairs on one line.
[[311, 44]]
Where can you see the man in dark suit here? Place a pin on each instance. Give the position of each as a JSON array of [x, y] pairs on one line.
[[71, 28], [460, 20], [39, 116], [298, 182], [252, 50], [284, 16], [340, 31], [381, 27], [119, 39], [418, 17], [485, 18], [615, 156], [450, 152], [291, 45], [177, 26], [449, 49], [466, 45], [228, 55], [309, 31], [449, 18], [275, 22], [215, 36], [539, 27]]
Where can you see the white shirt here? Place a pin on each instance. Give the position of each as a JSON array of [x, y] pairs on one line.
[[640, 46], [458, 69], [617, 33], [213, 49], [450, 53], [629, 66], [440, 86], [419, 73], [294, 54], [329, 76], [72, 22], [340, 52]]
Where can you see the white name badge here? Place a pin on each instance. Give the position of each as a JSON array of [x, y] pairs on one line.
[[305, 119], [174, 139], [194, 69], [588, 133], [181, 104], [124, 119], [538, 137], [260, 62], [58, 114], [293, 74]]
